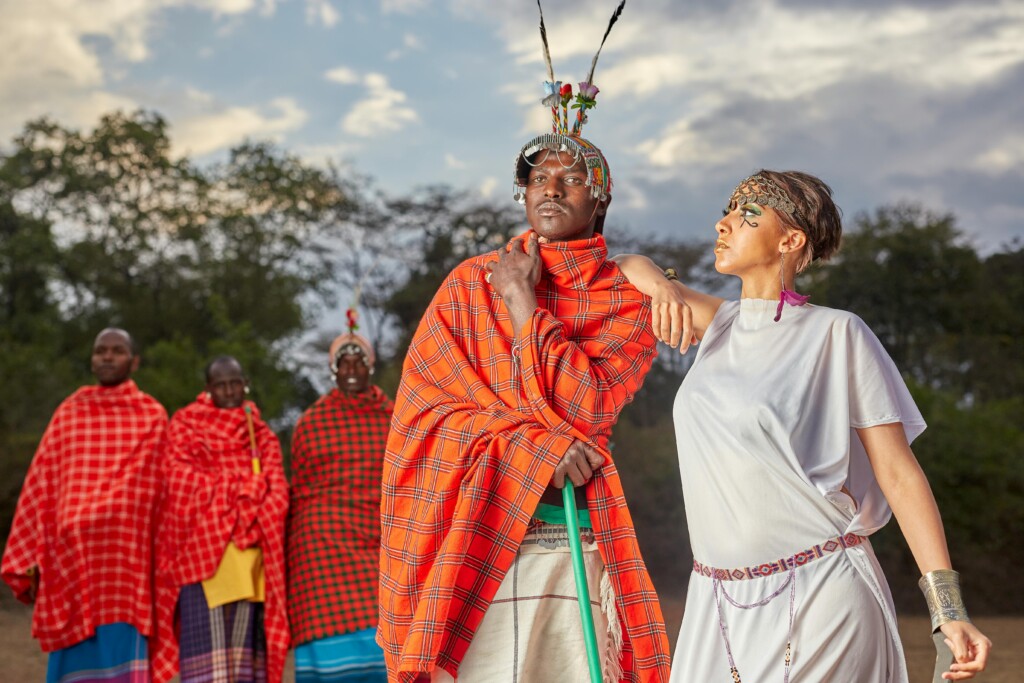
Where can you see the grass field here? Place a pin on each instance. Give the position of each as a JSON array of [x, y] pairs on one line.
[[22, 662]]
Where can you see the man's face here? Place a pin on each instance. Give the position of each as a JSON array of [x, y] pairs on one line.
[[113, 361], [353, 376], [559, 205], [226, 384]]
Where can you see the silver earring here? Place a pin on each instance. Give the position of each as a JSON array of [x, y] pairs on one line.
[[246, 389], [782, 268]]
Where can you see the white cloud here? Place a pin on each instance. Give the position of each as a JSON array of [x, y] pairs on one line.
[[322, 12], [52, 63], [402, 6], [680, 77], [410, 43], [451, 161], [1003, 155], [487, 187], [209, 132], [382, 111], [343, 75]]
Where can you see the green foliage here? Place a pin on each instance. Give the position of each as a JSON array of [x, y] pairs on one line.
[[949, 318], [971, 456]]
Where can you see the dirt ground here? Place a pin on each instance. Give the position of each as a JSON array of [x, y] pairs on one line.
[[22, 662]]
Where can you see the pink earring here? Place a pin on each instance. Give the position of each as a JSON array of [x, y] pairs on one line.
[[787, 296]]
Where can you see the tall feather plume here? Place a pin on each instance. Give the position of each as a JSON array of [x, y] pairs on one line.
[[544, 41], [593, 64]]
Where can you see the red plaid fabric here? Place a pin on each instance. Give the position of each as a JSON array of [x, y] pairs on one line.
[[212, 497], [478, 429], [334, 517], [84, 520]]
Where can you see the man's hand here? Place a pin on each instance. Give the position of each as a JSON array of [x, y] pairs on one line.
[[517, 269], [671, 316], [514, 277], [579, 463]]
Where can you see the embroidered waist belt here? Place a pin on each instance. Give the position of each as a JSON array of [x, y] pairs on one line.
[[767, 569]]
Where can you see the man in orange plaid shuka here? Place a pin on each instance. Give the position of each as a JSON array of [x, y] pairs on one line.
[[513, 381], [81, 543], [220, 602]]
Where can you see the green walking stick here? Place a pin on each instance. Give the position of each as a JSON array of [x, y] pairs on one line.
[[582, 590]]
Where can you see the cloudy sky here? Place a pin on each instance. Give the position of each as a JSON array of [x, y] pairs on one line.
[[919, 100]]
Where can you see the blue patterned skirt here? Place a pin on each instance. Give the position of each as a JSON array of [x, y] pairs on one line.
[[350, 658]]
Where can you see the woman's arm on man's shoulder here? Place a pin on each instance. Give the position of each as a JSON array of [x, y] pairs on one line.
[[680, 315]]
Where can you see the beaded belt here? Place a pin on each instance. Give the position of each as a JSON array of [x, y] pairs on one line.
[[768, 568], [552, 536]]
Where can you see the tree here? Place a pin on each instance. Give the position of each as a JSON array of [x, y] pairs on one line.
[[947, 317], [105, 228]]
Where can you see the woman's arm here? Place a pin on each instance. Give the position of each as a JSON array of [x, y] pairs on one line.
[[906, 488], [680, 315]]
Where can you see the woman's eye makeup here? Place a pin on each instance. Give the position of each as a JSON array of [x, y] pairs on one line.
[[751, 211]]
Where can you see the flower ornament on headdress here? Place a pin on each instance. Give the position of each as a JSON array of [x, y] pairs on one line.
[[562, 138]]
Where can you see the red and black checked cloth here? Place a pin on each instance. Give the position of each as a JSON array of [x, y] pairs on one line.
[[334, 517], [478, 429], [212, 496], [85, 516]]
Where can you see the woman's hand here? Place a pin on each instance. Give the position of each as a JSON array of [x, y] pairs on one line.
[[671, 316], [970, 650]]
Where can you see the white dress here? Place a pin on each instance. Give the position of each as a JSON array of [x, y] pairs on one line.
[[765, 425]]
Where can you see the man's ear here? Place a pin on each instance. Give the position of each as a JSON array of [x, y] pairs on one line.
[[135, 363], [602, 206]]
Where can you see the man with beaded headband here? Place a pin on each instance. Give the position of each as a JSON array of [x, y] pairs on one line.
[[334, 521], [794, 430], [512, 383]]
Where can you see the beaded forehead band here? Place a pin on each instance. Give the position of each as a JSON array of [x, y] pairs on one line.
[[349, 349], [764, 192], [562, 138]]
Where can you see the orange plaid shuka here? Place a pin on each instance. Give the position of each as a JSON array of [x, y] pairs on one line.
[[211, 497], [480, 423], [85, 517]]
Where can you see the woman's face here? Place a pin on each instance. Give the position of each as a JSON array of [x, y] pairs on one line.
[[749, 237]]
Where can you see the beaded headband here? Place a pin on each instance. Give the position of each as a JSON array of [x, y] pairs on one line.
[[562, 138], [764, 192], [349, 349]]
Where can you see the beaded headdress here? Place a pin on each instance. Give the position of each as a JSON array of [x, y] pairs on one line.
[[562, 138], [350, 343], [763, 191]]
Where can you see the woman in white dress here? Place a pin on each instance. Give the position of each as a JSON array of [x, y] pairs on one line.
[[793, 427]]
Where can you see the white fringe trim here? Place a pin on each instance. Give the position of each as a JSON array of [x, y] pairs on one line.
[[611, 668]]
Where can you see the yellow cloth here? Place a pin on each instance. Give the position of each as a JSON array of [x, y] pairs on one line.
[[238, 577]]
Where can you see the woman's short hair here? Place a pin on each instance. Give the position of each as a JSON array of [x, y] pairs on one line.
[[816, 215]]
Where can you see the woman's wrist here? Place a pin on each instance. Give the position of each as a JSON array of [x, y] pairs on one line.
[[941, 589]]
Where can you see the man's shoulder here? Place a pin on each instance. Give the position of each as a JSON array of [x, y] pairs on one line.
[[152, 407], [473, 266]]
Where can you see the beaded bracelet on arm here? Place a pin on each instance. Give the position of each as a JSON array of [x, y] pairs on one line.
[[671, 274], [941, 590]]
